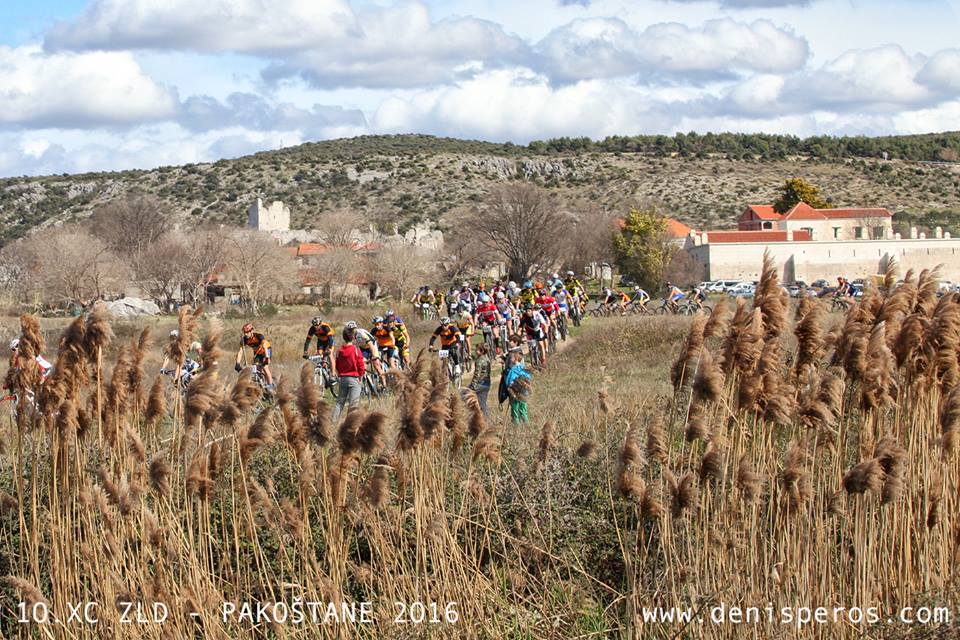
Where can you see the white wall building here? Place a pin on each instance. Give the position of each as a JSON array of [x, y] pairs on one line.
[[812, 244], [276, 217]]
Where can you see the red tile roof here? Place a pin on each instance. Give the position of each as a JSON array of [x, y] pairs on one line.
[[723, 237], [676, 229], [764, 211], [837, 214], [803, 211]]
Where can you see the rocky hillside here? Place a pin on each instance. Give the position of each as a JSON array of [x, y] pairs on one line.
[[408, 179]]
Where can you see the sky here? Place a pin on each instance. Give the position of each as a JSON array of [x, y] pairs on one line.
[[91, 85]]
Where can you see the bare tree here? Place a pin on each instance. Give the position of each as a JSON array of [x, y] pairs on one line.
[[164, 269], [398, 268], [333, 268], [128, 226], [69, 265], [15, 266], [259, 265], [591, 235], [337, 227], [461, 252], [205, 258], [524, 224]]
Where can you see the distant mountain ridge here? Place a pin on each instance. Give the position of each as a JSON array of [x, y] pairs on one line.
[[704, 180]]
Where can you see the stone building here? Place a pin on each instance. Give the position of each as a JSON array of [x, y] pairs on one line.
[[812, 244], [274, 218]]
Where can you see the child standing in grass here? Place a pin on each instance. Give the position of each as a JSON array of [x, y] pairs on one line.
[[517, 383]]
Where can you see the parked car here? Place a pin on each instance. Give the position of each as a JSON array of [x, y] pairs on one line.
[[627, 281], [742, 290], [857, 289], [728, 284], [800, 284], [820, 284]]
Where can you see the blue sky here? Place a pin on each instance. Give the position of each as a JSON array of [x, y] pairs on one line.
[[113, 84]]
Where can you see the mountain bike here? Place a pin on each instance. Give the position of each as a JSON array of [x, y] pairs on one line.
[[454, 371], [323, 377], [839, 303], [562, 326]]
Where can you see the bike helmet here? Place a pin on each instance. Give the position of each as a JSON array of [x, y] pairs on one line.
[[528, 284], [391, 314], [555, 276], [378, 320], [512, 284], [14, 344], [570, 273], [500, 295], [484, 298], [637, 288], [528, 307], [445, 320], [316, 320], [352, 324], [247, 328], [175, 333]]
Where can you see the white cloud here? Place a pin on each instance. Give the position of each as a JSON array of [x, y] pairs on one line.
[[204, 113], [77, 89], [879, 79], [402, 47], [252, 26], [942, 71], [323, 41]]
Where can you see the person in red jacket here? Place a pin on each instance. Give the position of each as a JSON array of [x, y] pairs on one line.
[[350, 371]]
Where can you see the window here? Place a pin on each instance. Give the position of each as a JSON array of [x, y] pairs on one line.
[[836, 233], [858, 233], [766, 225], [878, 233], [809, 231]]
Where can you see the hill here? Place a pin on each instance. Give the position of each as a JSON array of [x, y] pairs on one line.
[[703, 180]]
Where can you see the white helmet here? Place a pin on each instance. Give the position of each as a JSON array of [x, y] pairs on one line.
[[512, 284], [555, 276], [500, 295], [570, 273], [175, 333], [14, 344], [350, 325]]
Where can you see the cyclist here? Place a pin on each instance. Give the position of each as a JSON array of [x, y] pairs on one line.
[[191, 365], [674, 296], [562, 296], [467, 298], [527, 294], [439, 301], [512, 291], [507, 313], [488, 316], [385, 341], [400, 336], [535, 327], [423, 299], [368, 346], [640, 298], [468, 328], [326, 337], [262, 352], [450, 336], [697, 297], [612, 297], [843, 287], [548, 305], [16, 363]]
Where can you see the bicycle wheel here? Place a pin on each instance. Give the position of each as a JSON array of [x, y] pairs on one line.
[[662, 310], [562, 325], [707, 310]]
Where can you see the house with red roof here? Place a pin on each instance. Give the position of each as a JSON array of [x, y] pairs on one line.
[[811, 244], [820, 224]]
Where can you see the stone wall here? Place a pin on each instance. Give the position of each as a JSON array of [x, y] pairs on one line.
[[809, 261]]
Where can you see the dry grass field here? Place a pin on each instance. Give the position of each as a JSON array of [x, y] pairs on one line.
[[768, 456]]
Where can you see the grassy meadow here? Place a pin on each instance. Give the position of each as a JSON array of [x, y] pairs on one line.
[[768, 456]]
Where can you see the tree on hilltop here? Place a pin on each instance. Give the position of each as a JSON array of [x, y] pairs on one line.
[[797, 190]]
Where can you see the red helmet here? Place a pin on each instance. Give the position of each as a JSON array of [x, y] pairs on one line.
[[248, 328]]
